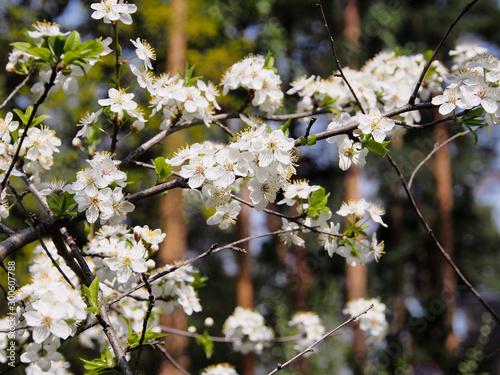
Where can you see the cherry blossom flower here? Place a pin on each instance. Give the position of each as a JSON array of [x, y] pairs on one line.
[[42, 353], [46, 320], [376, 124], [225, 216], [144, 51], [127, 261], [112, 10]]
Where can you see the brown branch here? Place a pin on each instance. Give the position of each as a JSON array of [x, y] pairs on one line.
[[413, 96], [171, 359], [103, 319], [426, 159], [310, 347], [438, 244], [334, 53], [145, 321], [17, 88]]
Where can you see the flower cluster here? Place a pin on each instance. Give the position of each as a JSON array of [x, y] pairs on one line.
[[383, 84], [475, 84], [374, 321], [254, 73], [52, 309], [176, 288], [94, 194], [262, 156], [310, 329], [120, 253], [247, 331]]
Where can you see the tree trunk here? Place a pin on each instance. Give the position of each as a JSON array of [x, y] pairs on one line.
[[175, 244], [356, 277], [444, 195], [244, 287]]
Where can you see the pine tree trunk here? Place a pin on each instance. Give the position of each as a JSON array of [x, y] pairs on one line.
[[444, 196], [356, 278], [244, 287], [175, 244]]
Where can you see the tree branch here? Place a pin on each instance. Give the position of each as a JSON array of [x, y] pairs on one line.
[[413, 96], [438, 244], [310, 347]]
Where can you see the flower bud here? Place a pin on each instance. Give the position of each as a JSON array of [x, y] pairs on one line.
[[209, 322], [77, 142], [192, 329], [150, 263]]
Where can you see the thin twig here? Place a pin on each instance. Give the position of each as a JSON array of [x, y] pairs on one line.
[[103, 319], [18, 87], [334, 53], [310, 347], [309, 126], [438, 244], [225, 128], [413, 96], [145, 321], [172, 360], [426, 159], [218, 338]]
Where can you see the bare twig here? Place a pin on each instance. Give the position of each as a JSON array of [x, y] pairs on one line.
[[225, 128], [310, 347], [413, 96], [438, 244], [337, 62], [18, 87], [426, 159], [171, 359], [145, 321], [103, 319]]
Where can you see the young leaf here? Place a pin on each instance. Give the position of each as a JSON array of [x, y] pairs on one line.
[[378, 148], [99, 365], [206, 342], [285, 127], [92, 294], [162, 168]]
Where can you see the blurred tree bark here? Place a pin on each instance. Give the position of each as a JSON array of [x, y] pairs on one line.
[[356, 277], [171, 211], [444, 196], [244, 287]]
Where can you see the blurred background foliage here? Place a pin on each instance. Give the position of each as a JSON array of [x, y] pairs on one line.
[[407, 278]]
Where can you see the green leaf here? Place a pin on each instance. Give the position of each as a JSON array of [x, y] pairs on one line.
[[269, 61], [206, 342], [92, 294], [476, 138], [43, 53], [162, 168], [311, 140], [22, 46], [90, 48], [378, 148], [39, 119], [317, 203], [99, 365], [285, 127], [24, 117], [72, 41]]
